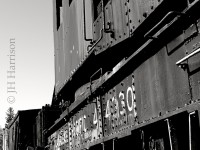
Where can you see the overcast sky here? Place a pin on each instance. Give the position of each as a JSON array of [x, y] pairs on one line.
[[30, 23]]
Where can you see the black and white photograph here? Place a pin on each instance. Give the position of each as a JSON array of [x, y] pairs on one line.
[[99, 74]]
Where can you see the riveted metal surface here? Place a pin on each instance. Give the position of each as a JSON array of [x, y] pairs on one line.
[[97, 26], [160, 85], [120, 20], [119, 106], [146, 7], [121, 92], [65, 16], [107, 108], [85, 126], [133, 15], [108, 20], [61, 56], [83, 28], [193, 44], [58, 58], [67, 54], [70, 125], [73, 34], [146, 80], [59, 139]]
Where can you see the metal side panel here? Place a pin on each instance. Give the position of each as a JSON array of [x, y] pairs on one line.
[[108, 20], [65, 16], [120, 20], [85, 126], [106, 102], [84, 30], [73, 34], [161, 86], [88, 26], [119, 106], [122, 111], [133, 15], [146, 83], [57, 71], [80, 28], [174, 81], [67, 56], [98, 26], [146, 7], [192, 45], [61, 55]]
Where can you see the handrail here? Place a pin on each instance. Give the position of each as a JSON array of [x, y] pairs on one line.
[[91, 40], [161, 21], [100, 69], [178, 63], [92, 46], [106, 30]]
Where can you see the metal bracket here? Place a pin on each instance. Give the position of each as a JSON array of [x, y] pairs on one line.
[[190, 133], [148, 34], [91, 40], [180, 62], [93, 46], [99, 70]]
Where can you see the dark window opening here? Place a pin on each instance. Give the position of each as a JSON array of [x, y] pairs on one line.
[[58, 10], [105, 2], [97, 8]]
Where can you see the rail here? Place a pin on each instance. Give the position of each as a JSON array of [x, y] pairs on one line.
[[85, 38], [161, 21], [92, 46], [106, 30], [99, 70], [179, 63]]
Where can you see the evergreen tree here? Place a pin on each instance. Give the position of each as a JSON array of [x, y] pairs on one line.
[[9, 116]]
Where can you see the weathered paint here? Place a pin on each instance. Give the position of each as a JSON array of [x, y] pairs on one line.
[[119, 106], [192, 44]]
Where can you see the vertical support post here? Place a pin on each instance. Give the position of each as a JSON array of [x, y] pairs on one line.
[[169, 132], [113, 144], [190, 132], [102, 146]]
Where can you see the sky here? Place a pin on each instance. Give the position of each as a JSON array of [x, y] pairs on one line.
[[30, 53]]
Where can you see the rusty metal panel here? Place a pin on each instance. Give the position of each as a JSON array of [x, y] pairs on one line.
[[65, 16], [133, 15], [39, 129], [85, 126], [147, 93], [67, 57], [57, 66], [109, 25], [146, 7], [120, 20], [98, 26], [59, 59], [59, 139], [193, 44], [107, 109], [61, 56], [73, 37], [70, 125], [161, 86], [119, 106]]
